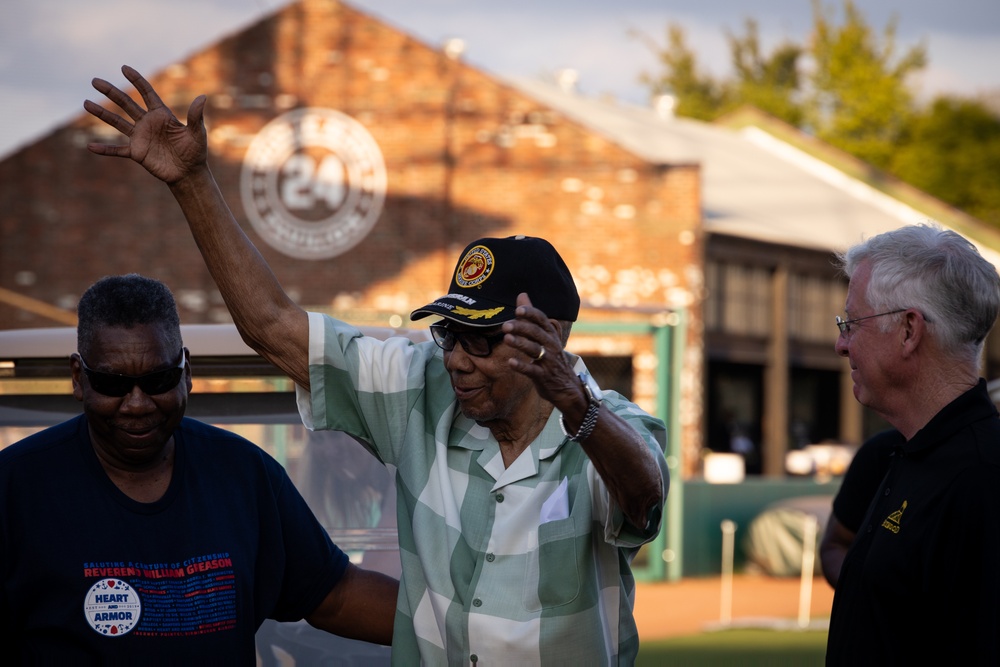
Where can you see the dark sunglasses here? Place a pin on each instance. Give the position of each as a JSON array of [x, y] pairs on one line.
[[476, 344], [151, 384]]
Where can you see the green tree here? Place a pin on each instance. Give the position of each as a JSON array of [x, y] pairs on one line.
[[952, 151], [768, 83], [859, 99], [853, 95], [697, 94]]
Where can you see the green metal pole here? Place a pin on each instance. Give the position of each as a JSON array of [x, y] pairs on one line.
[[668, 331], [670, 341]]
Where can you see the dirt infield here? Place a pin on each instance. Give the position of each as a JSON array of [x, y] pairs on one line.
[[690, 606]]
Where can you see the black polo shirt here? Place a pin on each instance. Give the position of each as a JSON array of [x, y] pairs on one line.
[[868, 468], [921, 583]]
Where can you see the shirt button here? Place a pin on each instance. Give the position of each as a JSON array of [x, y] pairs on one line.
[[499, 497], [477, 603], [473, 658], [869, 528], [887, 490], [490, 558]]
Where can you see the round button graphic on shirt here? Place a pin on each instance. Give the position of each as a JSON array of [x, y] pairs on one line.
[[112, 607]]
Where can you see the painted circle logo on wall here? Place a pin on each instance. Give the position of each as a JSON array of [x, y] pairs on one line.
[[313, 183], [475, 267], [112, 607]]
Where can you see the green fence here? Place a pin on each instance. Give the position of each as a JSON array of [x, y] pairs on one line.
[[707, 505]]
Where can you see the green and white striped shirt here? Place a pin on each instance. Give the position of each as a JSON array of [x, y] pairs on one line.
[[523, 565]]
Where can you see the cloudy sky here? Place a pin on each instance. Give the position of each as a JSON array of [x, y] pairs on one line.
[[50, 49]]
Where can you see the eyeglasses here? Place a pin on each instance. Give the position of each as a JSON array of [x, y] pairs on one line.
[[151, 384], [476, 344], [845, 325]]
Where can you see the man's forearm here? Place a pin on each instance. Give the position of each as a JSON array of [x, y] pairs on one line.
[[267, 319], [627, 467], [361, 606]]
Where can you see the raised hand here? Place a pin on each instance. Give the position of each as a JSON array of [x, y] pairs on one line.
[[167, 148], [534, 334]]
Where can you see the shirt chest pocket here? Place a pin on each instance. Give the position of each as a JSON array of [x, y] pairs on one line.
[[552, 569]]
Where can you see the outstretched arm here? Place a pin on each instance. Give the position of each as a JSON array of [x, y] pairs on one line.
[[177, 154]]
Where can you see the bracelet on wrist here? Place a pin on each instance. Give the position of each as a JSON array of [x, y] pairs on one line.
[[586, 426], [593, 394]]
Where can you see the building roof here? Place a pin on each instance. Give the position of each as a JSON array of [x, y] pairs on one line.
[[755, 185]]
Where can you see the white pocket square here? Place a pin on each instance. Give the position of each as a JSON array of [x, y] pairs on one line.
[[556, 506]]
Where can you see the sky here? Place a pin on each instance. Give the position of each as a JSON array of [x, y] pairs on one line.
[[51, 49]]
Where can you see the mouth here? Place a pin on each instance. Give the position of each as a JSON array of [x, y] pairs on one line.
[[856, 384], [465, 393], [139, 432]]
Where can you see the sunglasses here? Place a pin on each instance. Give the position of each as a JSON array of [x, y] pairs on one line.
[[476, 344], [151, 384]]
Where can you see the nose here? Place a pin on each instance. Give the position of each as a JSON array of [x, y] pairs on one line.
[[841, 345], [136, 401], [457, 360]]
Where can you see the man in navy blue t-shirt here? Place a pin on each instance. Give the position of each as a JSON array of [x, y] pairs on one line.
[[131, 534]]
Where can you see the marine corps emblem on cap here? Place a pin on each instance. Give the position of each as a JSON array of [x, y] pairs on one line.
[[475, 267]]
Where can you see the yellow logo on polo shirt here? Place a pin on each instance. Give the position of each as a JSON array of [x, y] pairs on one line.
[[893, 520]]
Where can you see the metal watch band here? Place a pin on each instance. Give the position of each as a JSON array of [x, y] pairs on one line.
[[587, 426]]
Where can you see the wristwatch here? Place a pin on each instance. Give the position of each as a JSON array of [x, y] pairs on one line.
[[594, 396]]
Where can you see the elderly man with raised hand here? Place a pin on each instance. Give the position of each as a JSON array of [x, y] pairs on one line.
[[524, 490], [920, 584]]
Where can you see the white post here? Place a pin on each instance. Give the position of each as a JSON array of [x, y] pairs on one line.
[[728, 543], [808, 564]]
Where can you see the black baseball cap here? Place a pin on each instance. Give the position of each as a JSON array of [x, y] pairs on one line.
[[492, 272]]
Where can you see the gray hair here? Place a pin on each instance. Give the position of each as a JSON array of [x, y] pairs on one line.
[[126, 301], [935, 271]]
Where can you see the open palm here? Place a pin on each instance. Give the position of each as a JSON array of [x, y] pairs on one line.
[[157, 140]]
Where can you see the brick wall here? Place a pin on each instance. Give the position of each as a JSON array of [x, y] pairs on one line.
[[465, 156]]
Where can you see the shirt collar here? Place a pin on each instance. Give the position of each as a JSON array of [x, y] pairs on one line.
[[972, 406]]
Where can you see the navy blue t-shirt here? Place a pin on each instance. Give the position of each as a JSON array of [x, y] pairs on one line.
[[91, 576]]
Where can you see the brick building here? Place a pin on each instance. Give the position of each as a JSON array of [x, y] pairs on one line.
[[353, 104]]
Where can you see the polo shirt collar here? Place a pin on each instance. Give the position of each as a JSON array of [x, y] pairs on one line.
[[972, 406]]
